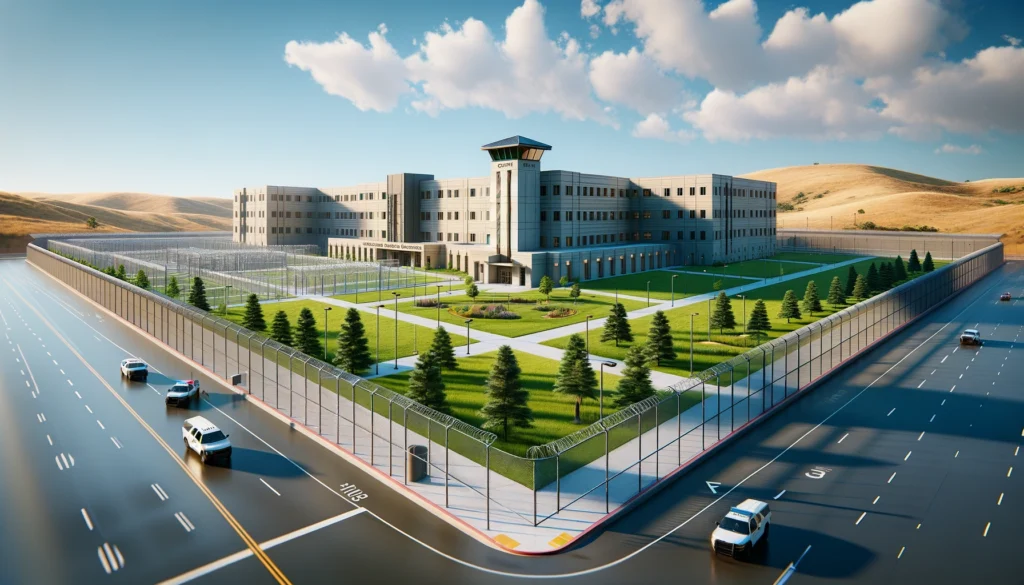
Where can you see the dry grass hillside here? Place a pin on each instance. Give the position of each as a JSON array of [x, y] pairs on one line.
[[115, 212], [834, 194]]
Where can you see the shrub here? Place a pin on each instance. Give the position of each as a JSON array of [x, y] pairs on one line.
[[484, 312], [781, 206], [560, 312], [428, 303]]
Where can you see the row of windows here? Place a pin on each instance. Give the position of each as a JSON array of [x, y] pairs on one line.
[[667, 191], [311, 198], [452, 193]]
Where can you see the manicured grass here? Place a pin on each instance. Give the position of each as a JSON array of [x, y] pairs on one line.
[[823, 258], [552, 412], [531, 320], [723, 346], [423, 282], [760, 268], [423, 335], [687, 285]]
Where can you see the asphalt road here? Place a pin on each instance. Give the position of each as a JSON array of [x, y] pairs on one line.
[[915, 479]]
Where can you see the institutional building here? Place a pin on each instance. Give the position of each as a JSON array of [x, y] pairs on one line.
[[519, 223]]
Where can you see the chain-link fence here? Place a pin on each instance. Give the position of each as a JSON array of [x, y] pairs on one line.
[[595, 469], [882, 243]]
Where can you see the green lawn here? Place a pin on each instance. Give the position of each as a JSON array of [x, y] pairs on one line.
[[823, 258], [722, 347], [552, 412], [423, 335], [531, 320], [760, 268], [686, 285], [423, 282]]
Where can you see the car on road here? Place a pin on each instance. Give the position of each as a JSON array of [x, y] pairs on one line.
[[743, 529], [203, 437], [970, 337], [134, 369], [1005, 296], [182, 392]]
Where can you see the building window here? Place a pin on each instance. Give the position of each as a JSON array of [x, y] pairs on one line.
[[472, 192], [568, 191], [543, 190], [693, 235], [622, 192], [543, 216], [664, 235], [456, 196], [647, 215], [679, 191], [666, 214], [543, 242], [647, 192], [456, 237], [440, 237], [703, 191], [556, 189], [472, 215], [456, 216], [557, 216], [703, 214], [440, 215], [555, 241], [568, 241], [647, 235], [668, 191], [702, 234]]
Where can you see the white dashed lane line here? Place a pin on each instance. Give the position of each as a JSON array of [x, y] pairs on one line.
[[160, 493], [269, 487], [184, 521], [101, 424], [116, 443], [862, 515]]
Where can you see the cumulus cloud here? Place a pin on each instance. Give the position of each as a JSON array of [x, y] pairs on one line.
[[371, 77], [658, 128], [589, 8], [1014, 41], [633, 80], [954, 149]]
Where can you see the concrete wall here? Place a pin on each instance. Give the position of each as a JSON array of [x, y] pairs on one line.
[[880, 243]]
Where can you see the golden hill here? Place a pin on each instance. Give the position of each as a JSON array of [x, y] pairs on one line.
[[115, 212], [834, 194]]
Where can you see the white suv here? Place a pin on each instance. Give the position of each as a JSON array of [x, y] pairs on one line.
[[970, 337], [133, 368], [743, 529], [203, 437], [182, 393]]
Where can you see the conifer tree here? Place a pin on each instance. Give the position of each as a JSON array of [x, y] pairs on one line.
[[659, 339], [811, 302], [851, 281], [929, 264], [353, 348], [914, 264], [546, 286], [899, 270], [759, 322], [576, 377], [873, 280], [472, 291], [141, 280], [281, 329], [121, 273], [885, 278], [574, 292], [790, 307], [722, 317], [563, 282], [507, 401], [307, 337], [836, 296], [426, 385], [172, 290], [635, 384], [616, 326], [253, 317], [197, 295], [442, 349], [860, 290]]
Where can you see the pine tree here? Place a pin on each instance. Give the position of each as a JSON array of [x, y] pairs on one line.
[[811, 302], [472, 291], [836, 296], [353, 348], [914, 264], [885, 278], [616, 326], [506, 400], [722, 317], [172, 289], [442, 349], [307, 338], [790, 307], [281, 329], [851, 281], [426, 385], [659, 339], [635, 384], [468, 280], [576, 377], [546, 286], [759, 322], [141, 280], [574, 292], [928, 265], [899, 270], [121, 273], [860, 290], [874, 281], [563, 282], [253, 317], [197, 295]]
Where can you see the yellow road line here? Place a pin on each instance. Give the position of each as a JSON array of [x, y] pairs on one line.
[[242, 533]]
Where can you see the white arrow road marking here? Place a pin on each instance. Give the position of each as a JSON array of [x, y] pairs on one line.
[[713, 486]]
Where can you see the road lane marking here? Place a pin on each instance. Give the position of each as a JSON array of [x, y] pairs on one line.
[[41, 417], [876, 500], [933, 373], [101, 424], [160, 493], [922, 383], [1015, 451], [901, 552], [27, 367], [999, 502], [891, 411], [953, 388], [89, 409], [908, 455], [791, 568], [943, 403], [1010, 471], [88, 522], [116, 444], [891, 477], [69, 383], [921, 436], [987, 526], [932, 419], [957, 454], [112, 560], [848, 434], [78, 395], [780, 495], [862, 515], [184, 521], [268, 486], [50, 440]]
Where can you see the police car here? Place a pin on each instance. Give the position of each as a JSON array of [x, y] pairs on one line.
[[133, 369], [209, 442], [182, 393], [742, 530]]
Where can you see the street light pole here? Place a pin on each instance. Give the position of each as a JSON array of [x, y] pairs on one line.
[[692, 315], [744, 297], [648, 293], [673, 287], [227, 296], [468, 321], [600, 400], [325, 332], [438, 304], [588, 335], [709, 319], [379, 307], [396, 327]]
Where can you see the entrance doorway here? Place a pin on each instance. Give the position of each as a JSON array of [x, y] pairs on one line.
[[522, 276], [505, 275]]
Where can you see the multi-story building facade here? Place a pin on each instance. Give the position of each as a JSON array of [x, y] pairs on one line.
[[520, 223]]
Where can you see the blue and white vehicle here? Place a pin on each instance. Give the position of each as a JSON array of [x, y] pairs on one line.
[[134, 369], [742, 530], [182, 393], [209, 442]]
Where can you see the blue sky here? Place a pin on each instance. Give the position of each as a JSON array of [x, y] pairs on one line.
[[196, 98]]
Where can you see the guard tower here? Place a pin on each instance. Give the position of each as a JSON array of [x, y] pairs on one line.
[[515, 181]]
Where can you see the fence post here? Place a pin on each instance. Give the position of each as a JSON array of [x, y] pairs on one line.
[[639, 453], [679, 430], [657, 442], [558, 483], [373, 432], [405, 441], [337, 409], [534, 492], [703, 416], [391, 456], [446, 429], [607, 495], [487, 467]]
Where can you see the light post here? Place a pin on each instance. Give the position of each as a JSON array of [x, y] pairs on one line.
[[600, 400], [744, 297], [709, 320], [438, 304], [673, 287], [692, 315], [396, 327], [468, 321], [227, 296], [616, 296], [589, 317], [325, 332], [648, 293], [379, 307]]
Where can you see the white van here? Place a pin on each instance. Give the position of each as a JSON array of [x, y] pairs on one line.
[[743, 529], [203, 437]]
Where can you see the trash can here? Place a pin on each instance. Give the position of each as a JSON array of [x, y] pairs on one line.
[[416, 462]]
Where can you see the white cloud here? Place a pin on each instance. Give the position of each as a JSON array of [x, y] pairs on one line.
[[954, 149], [658, 128], [634, 81], [595, 31], [589, 8], [372, 78], [823, 105], [1014, 41]]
